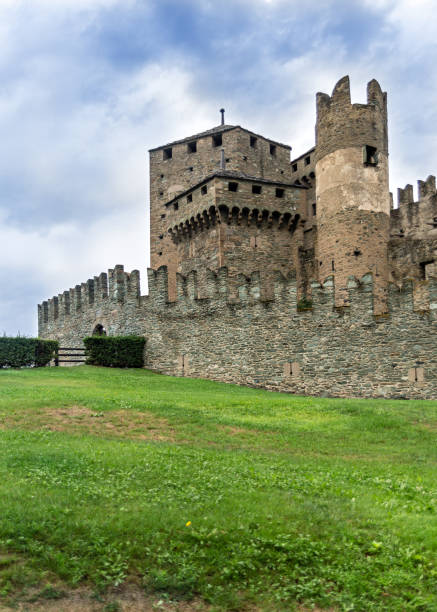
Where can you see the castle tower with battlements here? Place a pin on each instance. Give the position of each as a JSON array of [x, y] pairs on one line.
[[352, 191], [224, 198]]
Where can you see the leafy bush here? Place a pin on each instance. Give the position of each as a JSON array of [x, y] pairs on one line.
[[20, 352], [115, 351]]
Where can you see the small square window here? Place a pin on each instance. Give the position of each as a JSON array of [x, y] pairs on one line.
[[294, 167], [253, 141], [161, 193], [163, 216], [189, 197], [204, 190], [370, 155], [279, 193], [273, 149], [233, 186], [256, 189], [161, 236], [190, 169], [307, 160], [192, 147], [162, 176], [217, 140], [167, 153]]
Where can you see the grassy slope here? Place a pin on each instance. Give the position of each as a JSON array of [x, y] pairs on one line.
[[320, 501]]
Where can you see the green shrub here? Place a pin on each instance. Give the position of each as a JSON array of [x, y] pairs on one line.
[[45, 351], [20, 352], [115, 351]]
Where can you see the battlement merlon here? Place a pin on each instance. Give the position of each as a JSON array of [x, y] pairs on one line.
[[425, 190], [355, 124]]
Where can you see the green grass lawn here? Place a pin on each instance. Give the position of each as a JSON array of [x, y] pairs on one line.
[[238, 497]]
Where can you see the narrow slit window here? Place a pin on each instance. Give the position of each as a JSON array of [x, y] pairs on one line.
[[307, 160], [256, 189], [176, 205], [333, 265], [233, 186], [168, 153], [279, 193], [217, 140], [189, 198], [314, 210], [294, 167], [253, 141], [204, 190], [192, 147], [273, 150], [370, 155]]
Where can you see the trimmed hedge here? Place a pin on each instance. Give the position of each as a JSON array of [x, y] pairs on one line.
[[115, 351], [21, 352]]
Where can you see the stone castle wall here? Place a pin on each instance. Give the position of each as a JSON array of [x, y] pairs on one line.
[[268, 343], [413, 233]]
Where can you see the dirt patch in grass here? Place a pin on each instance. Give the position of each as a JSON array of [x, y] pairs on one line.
[[425, 425], [128, 599], [80, 419]]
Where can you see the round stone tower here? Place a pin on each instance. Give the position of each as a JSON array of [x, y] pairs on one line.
[[352, 192]]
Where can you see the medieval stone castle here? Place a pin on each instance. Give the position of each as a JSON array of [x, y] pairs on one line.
[[292, 275]]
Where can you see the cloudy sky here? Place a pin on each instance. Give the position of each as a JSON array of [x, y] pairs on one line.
[[88, 86]]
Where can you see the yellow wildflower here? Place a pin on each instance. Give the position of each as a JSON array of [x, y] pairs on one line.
[[188, 523]]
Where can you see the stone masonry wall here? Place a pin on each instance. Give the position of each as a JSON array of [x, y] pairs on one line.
[[413, 233], [268, 343]]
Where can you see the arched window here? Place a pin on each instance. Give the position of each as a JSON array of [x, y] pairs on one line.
[[99, 330]]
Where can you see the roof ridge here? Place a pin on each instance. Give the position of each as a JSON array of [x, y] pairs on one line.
[[231, 174], [217, 130]]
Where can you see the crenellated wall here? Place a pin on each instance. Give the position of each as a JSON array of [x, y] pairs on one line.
[[246, 339], [413, 233]]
